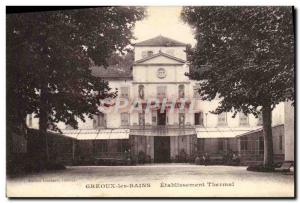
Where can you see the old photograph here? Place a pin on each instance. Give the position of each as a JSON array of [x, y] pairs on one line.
[[153, 101]]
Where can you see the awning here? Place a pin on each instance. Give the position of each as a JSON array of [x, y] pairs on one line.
[[259, 130], [162, 131], [70, 133], [113, 134], [87, 134], [223, 132], [101, 134]]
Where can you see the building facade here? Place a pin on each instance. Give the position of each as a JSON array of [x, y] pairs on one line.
[[158, 115]]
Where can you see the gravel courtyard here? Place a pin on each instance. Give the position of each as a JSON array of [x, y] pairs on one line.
[[153, 181]]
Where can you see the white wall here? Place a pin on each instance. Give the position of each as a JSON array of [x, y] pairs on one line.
[[174, 73], [289, 132], [210, 120], [146, 74]]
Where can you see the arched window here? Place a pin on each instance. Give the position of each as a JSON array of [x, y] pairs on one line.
[[141, 92], [181, 119], [181, 91]]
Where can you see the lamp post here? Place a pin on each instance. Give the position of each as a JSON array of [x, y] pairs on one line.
[[206, 119]]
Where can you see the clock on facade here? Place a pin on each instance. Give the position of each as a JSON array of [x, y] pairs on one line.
[[161, 73]]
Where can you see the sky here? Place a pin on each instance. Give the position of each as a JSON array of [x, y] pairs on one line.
[[163, 21]]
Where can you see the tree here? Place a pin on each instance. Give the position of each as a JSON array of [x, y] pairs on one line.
[[49, 55], [244, 56]]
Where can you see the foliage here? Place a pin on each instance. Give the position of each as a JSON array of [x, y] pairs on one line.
[[243, 55], [49, 55], [125, 60]]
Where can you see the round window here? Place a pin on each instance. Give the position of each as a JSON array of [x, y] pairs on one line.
[[161, 73]]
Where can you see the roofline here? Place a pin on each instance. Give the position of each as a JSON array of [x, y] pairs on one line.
[[157, 64], [259, 130], [117, 77], [177, 43], [137, 45], [159, 54], [134, 82]]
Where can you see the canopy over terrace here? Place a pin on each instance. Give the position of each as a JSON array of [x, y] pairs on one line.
[[252, 144], [171, 131], [220, 141], [98, 134], [223, 132], [98, 144]]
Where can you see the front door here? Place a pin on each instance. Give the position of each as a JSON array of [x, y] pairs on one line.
[[161, 149], [161, 118]]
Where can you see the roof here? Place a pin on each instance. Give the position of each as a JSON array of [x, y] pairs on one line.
[[162, 131], [36, 132], [160, 41], [259, 130], [119, 67], [99, 134], [117, 72], [223, 132], [160, 54]]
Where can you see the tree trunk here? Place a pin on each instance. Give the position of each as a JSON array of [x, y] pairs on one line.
[[16, 127], [268, 140], [43, 117]]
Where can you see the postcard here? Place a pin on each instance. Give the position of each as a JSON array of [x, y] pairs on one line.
[[129, 101]]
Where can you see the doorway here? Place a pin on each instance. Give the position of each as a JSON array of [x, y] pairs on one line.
[[161, 118], [161, 149]]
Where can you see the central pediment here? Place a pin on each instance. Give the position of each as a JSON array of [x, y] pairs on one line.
[[160, 58]]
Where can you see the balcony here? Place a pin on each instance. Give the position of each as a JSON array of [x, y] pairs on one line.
[[163, 130]]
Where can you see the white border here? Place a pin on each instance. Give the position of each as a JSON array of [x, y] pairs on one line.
[[3, 3]]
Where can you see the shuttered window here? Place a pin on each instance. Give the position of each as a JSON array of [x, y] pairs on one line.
[[222, 119], [99, 120], [260, 120], [196, 91], [244, 119], [154, 118], [161, 91], [124, 92], [199, 118], [124, 119], [142, 118]]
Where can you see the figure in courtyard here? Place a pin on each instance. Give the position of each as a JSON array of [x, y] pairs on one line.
[[205, 159], [235, 159]]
